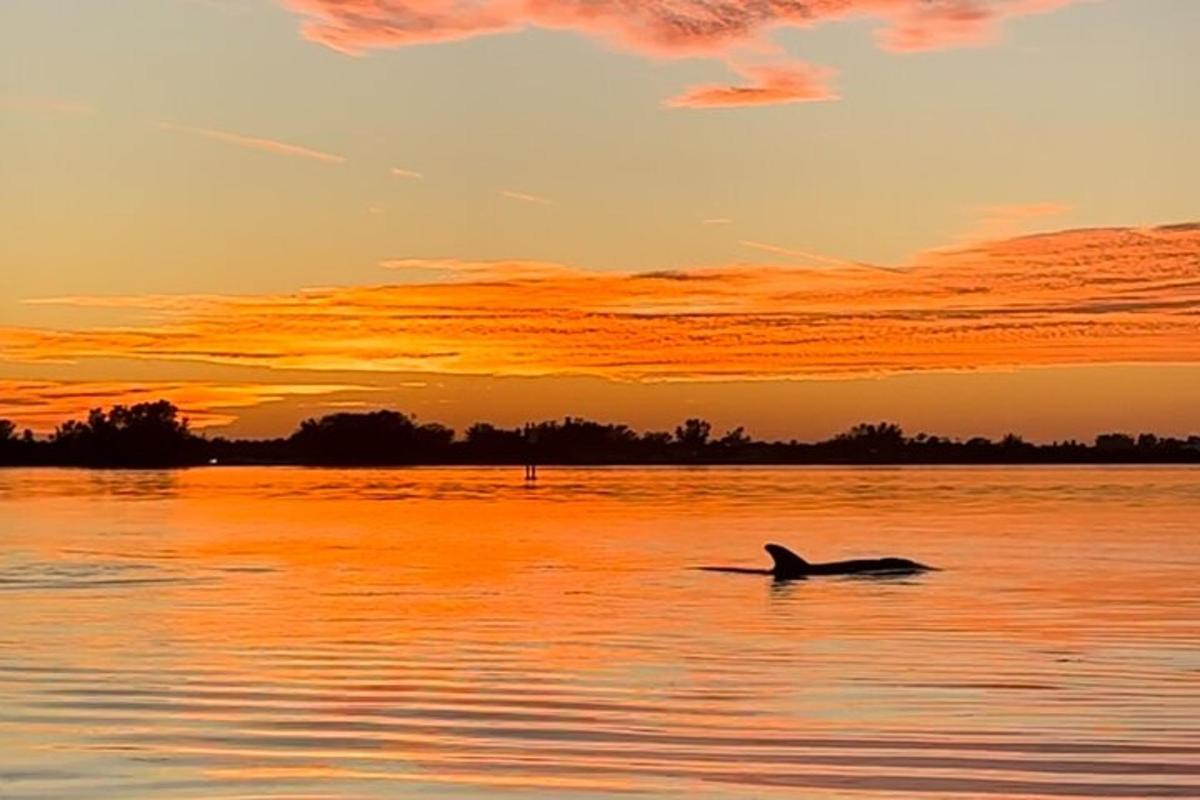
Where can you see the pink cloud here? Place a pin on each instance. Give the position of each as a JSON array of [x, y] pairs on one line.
[[720, 29], [765, 85], [955, 23]]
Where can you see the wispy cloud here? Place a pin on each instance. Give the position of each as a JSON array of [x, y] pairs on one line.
[[799, 254], [716, 221], [407, 173], [725, 30], [1101, 296], [526, 198], [255, 143], [459, 270]]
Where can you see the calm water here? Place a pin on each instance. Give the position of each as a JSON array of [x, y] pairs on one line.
[[262, 633]]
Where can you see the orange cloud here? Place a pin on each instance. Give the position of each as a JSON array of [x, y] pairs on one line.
[[766, 85], [42, 405], [255, 143], [1102, 296], [1000, 222], [718, 29]]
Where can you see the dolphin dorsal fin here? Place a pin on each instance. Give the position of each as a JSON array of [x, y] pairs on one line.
[[786, 562]]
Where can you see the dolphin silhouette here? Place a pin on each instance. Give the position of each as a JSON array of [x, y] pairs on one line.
[[789, 566]]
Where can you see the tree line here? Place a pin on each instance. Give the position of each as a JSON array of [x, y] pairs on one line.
[[157, 435]]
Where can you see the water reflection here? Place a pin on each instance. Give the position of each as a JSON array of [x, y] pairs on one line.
[[313, 633]]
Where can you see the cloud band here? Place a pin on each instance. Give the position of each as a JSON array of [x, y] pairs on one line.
[[1115, 295]]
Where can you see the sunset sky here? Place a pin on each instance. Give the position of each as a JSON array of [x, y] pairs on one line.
[[966, 216]]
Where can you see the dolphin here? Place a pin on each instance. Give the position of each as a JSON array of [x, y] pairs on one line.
[[790, 567]]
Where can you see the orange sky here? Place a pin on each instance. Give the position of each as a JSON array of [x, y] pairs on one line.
[[1081, 297], [790, 215], [1098, 297]]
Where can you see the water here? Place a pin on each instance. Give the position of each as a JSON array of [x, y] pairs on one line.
[[271, 633]]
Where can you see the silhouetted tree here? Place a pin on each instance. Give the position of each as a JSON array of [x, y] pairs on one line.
[[154, 435], [376, 437], [1115, 442], [734, 439], [692, 437], [660, 439], [693, 433], [10, 446], [145, 434], [487, 444], [883, 441], [580, 441], [882, 435]]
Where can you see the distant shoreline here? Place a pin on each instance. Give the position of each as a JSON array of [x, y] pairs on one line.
[[1183, 462], [156, 435]]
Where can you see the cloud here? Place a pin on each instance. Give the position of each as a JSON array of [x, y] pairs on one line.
[[716, 221], [407, 173], [1102, 296], [725, 30], [480, 271], [799, 254], [43, 404], [765, 85], [1001, 222], [925, 25], [255, 143], [526, 198]]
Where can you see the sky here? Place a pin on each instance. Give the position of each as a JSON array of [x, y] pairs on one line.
[[966, 216]]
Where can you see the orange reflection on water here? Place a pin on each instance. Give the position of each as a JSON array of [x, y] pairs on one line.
[[294, 632]]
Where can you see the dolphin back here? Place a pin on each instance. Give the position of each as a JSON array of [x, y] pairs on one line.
[[787, 563], [870, 566], [789, 566]]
